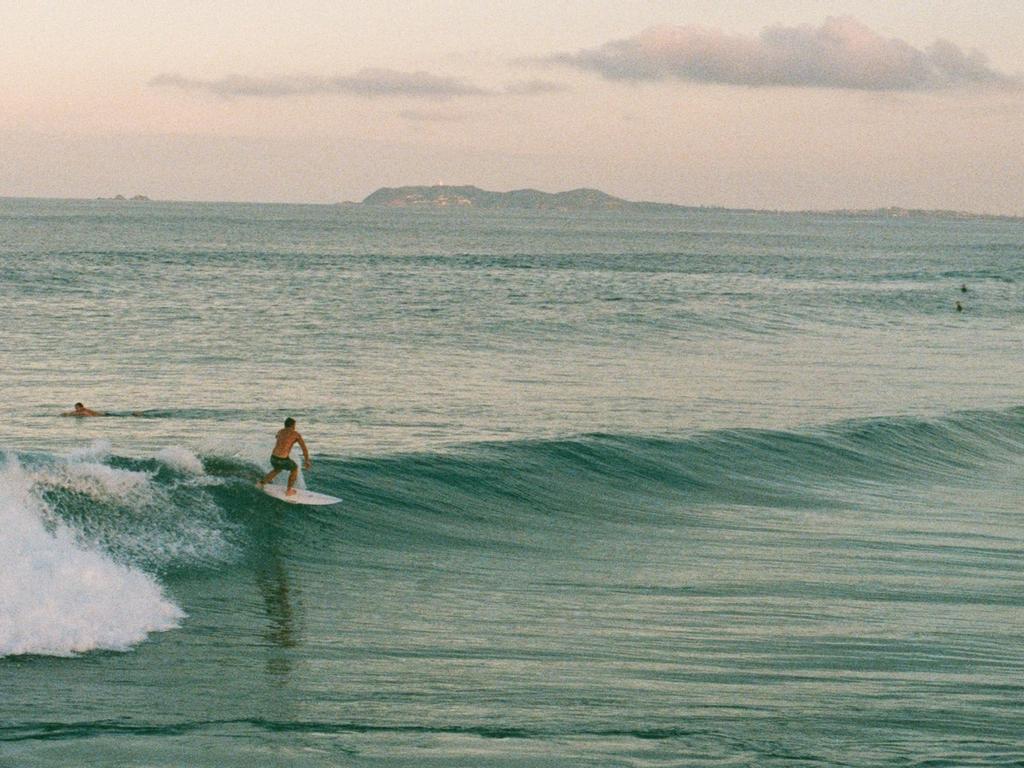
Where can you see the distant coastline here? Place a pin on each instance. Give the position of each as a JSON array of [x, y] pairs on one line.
[[444, 196], [463, 197]]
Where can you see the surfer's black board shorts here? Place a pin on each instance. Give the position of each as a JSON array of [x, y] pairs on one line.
[[282, 464]]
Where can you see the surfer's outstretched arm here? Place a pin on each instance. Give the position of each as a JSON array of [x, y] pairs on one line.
[[307, 462]]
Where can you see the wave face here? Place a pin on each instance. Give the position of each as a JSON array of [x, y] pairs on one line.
[[89, 534], [523, 481]]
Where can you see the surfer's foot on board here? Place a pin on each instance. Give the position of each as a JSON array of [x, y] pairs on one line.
[[290, 492]]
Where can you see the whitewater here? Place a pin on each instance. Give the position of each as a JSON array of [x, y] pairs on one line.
[[660, 489]]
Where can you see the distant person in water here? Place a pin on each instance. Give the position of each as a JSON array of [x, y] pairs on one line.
[[959, 307], [81, 410], [963, 288], [280, 458]]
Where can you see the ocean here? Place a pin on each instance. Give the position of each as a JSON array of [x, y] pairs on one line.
[[700, 488]]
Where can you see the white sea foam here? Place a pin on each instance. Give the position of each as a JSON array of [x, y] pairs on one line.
[[180, 459], [100, 481], [127, 515], [60, 597], [95, 451]]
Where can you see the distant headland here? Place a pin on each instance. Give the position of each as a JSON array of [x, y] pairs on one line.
[[463, 197], [445, 196]]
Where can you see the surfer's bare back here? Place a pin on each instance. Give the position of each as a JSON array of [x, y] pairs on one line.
[[280, 458]]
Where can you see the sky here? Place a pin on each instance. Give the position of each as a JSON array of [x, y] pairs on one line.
[[778, 104]]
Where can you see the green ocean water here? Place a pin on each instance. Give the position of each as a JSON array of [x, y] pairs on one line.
[[618, 489]]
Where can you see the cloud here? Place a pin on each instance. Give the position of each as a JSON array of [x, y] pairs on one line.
[[366, 82], [534, 87], [841, 53], [432, 116]]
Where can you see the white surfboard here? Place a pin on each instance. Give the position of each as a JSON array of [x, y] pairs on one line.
[[300, 496]]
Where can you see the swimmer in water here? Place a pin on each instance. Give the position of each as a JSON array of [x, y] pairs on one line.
[[81, 410], [959, 307]]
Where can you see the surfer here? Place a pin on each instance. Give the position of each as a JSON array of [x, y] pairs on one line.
[[280, 458], [81, 410]]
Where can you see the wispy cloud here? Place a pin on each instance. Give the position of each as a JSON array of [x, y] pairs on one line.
[[432, 116], [534, 87], [366, 82], [841, 53]]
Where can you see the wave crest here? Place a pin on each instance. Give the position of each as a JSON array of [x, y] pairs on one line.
[[59, 597]]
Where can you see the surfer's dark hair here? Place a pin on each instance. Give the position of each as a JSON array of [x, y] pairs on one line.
[[289, 422], [79, 405]]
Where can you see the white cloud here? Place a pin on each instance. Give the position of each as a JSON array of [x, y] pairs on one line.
[[841, 53]]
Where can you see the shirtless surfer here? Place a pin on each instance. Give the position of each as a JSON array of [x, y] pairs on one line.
[[280, 457], [81, 410]]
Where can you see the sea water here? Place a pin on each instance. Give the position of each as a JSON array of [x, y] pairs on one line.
[[625, 489]]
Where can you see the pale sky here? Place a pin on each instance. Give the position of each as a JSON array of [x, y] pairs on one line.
[[774, 104]]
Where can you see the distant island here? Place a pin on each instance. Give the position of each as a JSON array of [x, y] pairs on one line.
[[136, 198], [462, 197], [445, 196]]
